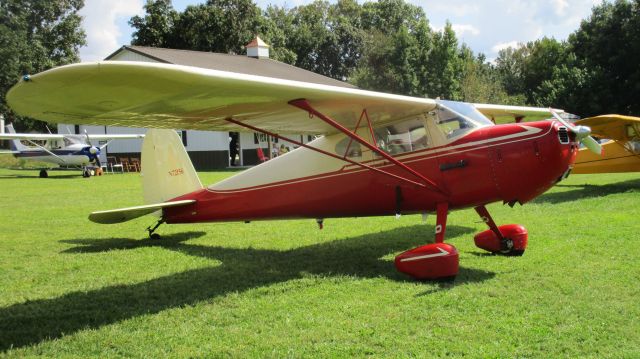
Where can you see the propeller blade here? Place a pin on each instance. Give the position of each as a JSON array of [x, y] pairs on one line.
[[590, 143], [561, 120], [583, 134]]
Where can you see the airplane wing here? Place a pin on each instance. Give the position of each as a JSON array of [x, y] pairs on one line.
[[140, 94], [54, 136], [507, 114], [114, 137], [30, 136], [615, 127]]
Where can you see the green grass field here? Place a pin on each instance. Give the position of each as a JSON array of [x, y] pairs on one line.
[[71, 288]]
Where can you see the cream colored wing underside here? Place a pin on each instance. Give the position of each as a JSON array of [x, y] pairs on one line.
[[135, 94], [500, 114]]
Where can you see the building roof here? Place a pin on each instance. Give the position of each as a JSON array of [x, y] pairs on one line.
[[257, 42], [231, 63]]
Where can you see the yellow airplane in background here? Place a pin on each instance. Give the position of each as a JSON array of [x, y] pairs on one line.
[[620, 153]]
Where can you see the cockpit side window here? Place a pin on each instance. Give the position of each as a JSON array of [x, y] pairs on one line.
[[349, 148], [401, 137], [633, 135]]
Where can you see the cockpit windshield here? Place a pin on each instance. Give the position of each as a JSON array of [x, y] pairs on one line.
[[455, 119], [467, 110]]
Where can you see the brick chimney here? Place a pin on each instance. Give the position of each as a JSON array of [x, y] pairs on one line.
[[257, 49]]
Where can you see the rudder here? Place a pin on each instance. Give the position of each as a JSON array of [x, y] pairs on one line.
[[167, 171], [15, 145]]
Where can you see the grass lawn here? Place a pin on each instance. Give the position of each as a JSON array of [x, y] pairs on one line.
[[72, 288]]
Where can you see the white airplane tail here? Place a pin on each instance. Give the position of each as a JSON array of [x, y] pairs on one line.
[[15, 145], [167, 171]]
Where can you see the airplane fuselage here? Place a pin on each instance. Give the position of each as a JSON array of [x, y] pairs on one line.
[[72, 155], [617, 157], [510, 163]]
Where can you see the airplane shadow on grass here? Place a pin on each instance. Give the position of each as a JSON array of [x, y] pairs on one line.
[[588, 191], [241, 269]]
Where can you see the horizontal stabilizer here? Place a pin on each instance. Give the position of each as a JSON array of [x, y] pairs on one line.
[[129, 213]]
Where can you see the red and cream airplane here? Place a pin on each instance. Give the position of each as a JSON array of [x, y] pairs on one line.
[[381, 154]]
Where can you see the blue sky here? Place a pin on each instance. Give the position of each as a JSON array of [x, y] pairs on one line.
[[485, 25]]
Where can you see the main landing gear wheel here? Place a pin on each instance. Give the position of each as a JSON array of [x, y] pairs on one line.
[[436, 261], [44, 174], [508, 240]]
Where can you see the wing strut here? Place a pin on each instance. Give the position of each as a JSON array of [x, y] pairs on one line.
[[324, 152], [304, 105], [47, 151]]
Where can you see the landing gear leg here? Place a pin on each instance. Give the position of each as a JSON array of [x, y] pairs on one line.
[[44, 173], [510, 239], [151, 230], [432, 261]]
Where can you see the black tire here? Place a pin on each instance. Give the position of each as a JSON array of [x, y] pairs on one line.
[[154, 236], [515, 253], [44, 174]]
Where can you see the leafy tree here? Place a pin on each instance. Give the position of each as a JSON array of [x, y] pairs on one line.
[[607, 50], [444, 65], [35, 36], [218, 25], [277, 24], [157, 26]]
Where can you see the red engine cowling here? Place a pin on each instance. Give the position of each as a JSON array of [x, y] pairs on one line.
[[515, 242], [431, 261]]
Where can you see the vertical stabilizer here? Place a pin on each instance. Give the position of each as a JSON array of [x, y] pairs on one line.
[[167, 171], [15, 145]]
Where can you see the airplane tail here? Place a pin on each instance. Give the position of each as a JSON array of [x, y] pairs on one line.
[[167, 171], [15, 145]]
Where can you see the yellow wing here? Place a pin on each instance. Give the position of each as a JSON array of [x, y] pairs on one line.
[[138, 94], [615, 127]]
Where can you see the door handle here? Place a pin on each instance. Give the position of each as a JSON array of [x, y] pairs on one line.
[[453, 165]]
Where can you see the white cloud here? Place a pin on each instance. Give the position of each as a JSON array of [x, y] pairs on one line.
[[103, 23], [559, 6], [462, 29], [505, 45]]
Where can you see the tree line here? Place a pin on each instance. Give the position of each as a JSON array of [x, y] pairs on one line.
[[385, 45]]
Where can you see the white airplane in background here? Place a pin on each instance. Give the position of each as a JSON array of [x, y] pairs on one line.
[[63, 150]]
